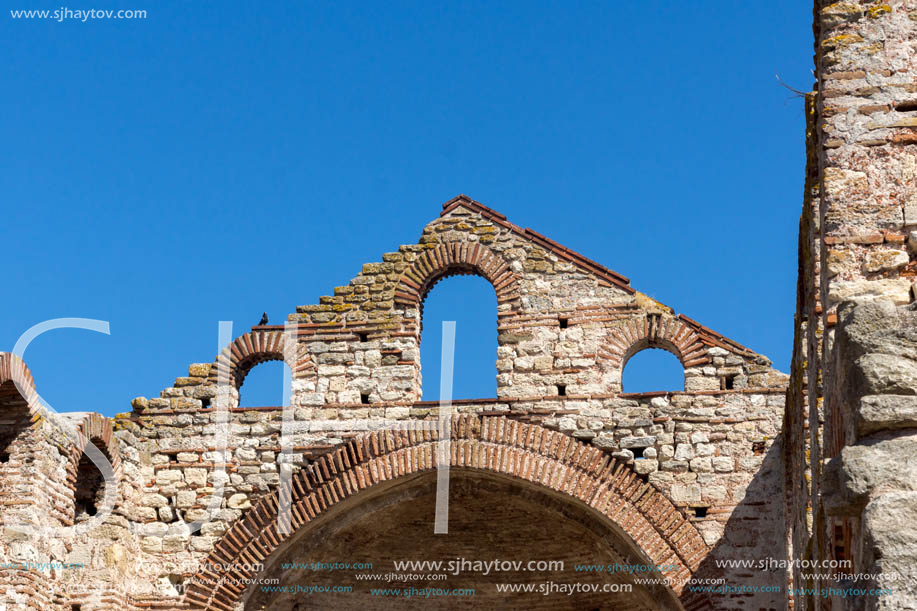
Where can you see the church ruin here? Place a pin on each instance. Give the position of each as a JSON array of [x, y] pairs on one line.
[[206, 502]]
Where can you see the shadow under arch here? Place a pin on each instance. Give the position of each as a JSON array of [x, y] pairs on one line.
[[89, 486], [72, 433], [16, 447], [493, 517], [548, 460]]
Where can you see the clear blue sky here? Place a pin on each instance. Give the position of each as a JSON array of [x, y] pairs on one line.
[[214, 160]]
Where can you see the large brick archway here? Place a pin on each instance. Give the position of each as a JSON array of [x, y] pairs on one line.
[[525, 452]]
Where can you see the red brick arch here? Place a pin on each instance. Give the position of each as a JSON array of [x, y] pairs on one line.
[[93, 427], [13, 369], [97, 429], [650, 331], [19, 409], [90, 424], [528, 452], [252, 348], [455, 258]]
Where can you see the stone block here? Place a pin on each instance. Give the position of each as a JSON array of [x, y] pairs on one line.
[[154, 500], [151, 545], [879, 462], [174, 543], [196, 477], [723, 464], [637, 442], [682, 493], [675, 466], [876, 374], [898, 290], [202, 544], [199, 370], [644, 466], [684, 451], [185, 499], [890, 548], [705, 449], [605, 441], [885, 260], [885, 412], [238, 501]]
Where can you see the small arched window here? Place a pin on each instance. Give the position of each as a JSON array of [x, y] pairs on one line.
[[471, 302], [90, 485], [14, 421], [264, 385], [651, 370]]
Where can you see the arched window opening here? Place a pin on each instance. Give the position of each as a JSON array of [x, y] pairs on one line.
[[651, 370], [472, 303], [90, 485], [264, 385], [14, 420]]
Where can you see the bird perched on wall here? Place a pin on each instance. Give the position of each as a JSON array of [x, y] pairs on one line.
[[263, 320]]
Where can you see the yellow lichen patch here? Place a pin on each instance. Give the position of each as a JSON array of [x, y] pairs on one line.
[[839, 12], [841, 8], [841, 40], [877, 11], [839, 180], [648, 303], [199, 370], [123, 422], [839, 261]]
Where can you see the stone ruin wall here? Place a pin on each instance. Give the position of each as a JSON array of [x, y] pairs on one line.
[[565, 329], [842, 463], [850, 417]]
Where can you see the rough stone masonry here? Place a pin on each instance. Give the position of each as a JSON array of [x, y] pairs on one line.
[[669, 478], [850, 425], [745, 463]]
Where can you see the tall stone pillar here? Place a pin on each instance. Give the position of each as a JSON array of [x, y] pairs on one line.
[[856, 352]]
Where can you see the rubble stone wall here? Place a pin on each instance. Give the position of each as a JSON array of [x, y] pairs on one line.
[[857, 268], [565, 329]]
